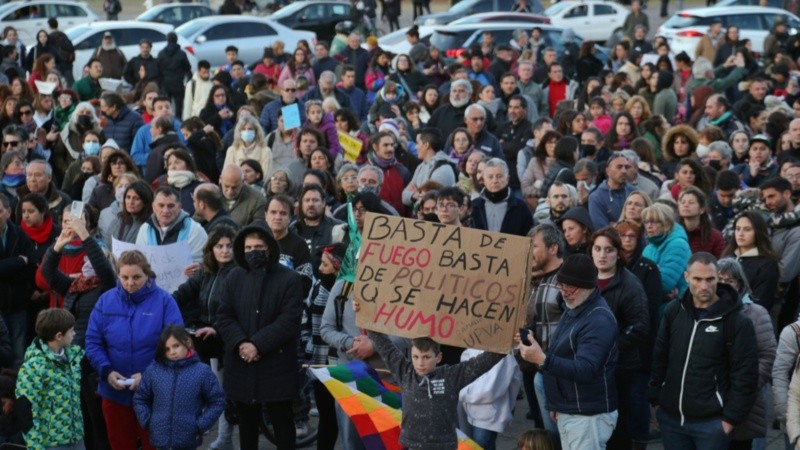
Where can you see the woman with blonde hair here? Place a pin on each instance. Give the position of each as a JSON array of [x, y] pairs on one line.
[[636, 202], [249, 142], [668, 247], [639, 109]]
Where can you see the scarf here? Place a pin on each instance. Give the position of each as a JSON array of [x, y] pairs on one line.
[[721, 119], [13, 180], [376, 160], [41, 233], [459, 157], [497, 197], [624, 142], [62, 115], [83, 284], [180, 178]]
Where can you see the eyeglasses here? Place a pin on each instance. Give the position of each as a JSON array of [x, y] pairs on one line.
[[651, 222], [360, 210], [569, 291], [11, 143], [290, 89], [27, 112], [350, 178], [282, 180], [446, 206], [627, 236]]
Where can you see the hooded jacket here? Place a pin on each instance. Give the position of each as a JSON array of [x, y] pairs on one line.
[[123, 333], [605, 204], [174, 67], [183, 229], [671, 253], [123, 128], [625, 296], [262, 306], [581, 215], [695, 378], [178, 401], [52, 387]]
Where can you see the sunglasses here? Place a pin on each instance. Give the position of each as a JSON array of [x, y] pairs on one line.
[[11, 143]]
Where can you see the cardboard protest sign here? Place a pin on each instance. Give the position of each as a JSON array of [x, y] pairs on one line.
[[460, 286], [352, 146], [167, 261]]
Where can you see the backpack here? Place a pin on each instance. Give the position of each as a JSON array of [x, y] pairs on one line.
[[441, 162]]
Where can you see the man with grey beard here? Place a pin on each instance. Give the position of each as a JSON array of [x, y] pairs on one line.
[[450, 116]]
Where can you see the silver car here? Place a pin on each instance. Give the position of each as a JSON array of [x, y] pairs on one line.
[[208, 37]]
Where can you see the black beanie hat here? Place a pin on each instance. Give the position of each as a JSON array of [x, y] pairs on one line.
[[579, 271]]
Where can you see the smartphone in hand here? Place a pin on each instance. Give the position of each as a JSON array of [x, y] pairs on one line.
[[524, 335], [77, 209]]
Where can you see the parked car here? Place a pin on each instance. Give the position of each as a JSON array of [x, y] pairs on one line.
[[319, 16], [127, 34], [595, 20], [396, 42], [502, 17], [207, 37], [684, 30], [31, 16], [454, 39], [771, 3], [468, 7], [175, 14]]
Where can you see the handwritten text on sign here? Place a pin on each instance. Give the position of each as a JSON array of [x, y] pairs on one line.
[[167, 261], [459, 286]]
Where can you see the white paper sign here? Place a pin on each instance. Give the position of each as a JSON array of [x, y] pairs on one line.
[[167, 261]]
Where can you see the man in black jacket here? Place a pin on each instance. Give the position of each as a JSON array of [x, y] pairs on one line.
[[259, 322], [705, 362], [313, 225]]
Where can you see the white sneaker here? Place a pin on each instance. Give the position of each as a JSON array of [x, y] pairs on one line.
[[301, 429]]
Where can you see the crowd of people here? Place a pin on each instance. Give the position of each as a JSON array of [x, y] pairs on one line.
[[661, 201]]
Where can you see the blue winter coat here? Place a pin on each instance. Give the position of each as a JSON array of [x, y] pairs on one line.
[[123, 333], [123, 128], [178, 401], [581, 360], [671, 254]]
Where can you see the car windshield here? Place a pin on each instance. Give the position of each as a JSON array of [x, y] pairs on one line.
[[446, 40], [685, 20], [150, 14], [76, 32], [288, 10], [189, 29], [557, 8]]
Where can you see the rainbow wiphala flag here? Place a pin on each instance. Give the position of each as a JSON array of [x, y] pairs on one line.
[[372, 404]]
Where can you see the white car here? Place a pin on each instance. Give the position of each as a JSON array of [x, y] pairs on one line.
[[594, 20], [685, 29], [396, 42], [29, 17], [208, 37], [127, 34]]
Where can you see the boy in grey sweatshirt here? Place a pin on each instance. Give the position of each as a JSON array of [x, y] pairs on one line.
[[430, 393]]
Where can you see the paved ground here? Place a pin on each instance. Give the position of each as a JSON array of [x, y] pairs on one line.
[[506, 441]]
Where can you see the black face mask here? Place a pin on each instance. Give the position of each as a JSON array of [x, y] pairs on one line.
[[327, 280], [257, 259], [85, 121], [715, 164]]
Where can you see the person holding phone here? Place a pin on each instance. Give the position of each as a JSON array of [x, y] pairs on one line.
[[579, 365]]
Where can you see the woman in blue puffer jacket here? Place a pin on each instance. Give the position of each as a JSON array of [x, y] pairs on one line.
[[668, 247], [121, 342]]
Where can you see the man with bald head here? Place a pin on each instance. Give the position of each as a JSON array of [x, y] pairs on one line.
[[325, 88], [209, 206], [269, 115], [244, 203], [354, 55]]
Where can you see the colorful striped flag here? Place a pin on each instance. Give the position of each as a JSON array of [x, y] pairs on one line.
[[372, 404]]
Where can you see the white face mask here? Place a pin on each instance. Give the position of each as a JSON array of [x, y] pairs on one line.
[[87, 270]]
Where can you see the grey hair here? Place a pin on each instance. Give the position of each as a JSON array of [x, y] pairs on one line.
[[253, 122], [518, 34], [631, 156], [585, 164], [48, 169], [524, 62], [462, 83], [378, 172], [701, 67], [722, 147], [475, 107], [497, 162], [734, 268], [73, 120], [550, 236], [347, 167], [328, 76]]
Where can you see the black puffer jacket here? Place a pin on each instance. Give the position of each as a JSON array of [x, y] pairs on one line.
[[627, 300], [173, 64], [16, 275], [262, 307], [80, 304], [648, 274], [694, 377], [199, 297]]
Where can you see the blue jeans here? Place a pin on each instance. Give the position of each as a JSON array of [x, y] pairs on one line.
[[640, 409], [17, 323], [586, 432], [706, 435], [549, 425]]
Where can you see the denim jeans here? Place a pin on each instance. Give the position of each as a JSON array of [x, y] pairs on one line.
[[706, 435], [17, 323], [586, 432], [549, 425]]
